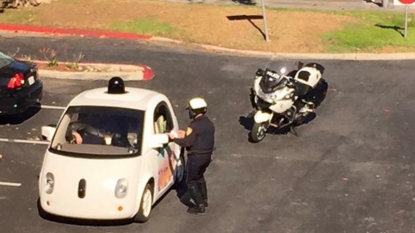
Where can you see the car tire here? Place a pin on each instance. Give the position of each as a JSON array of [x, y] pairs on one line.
[[144, 212]]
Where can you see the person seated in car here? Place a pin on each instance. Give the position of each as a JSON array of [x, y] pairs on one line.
[[111, 131], [115, 130], [79, 133]]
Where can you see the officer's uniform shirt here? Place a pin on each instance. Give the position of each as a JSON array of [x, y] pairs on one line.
[[200, 136]]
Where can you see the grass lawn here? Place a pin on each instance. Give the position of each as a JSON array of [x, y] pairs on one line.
[[237, 27]]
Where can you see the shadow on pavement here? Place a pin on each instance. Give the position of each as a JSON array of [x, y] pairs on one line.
[[16, 119]]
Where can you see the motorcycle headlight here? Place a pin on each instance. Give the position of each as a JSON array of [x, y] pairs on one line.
[[266, 97], [49, 183], [270, 97], [274, 95], [121, 188]]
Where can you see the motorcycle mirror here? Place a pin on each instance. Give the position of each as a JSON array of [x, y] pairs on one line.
[[300, 65], [259, 72], [283, 70]]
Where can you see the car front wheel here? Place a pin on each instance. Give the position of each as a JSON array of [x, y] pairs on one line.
[[144, 211]]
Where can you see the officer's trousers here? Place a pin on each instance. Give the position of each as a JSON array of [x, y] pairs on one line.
[[196, 168]]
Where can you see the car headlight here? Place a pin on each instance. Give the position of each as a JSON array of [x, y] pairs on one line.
[[121, 188], [49, 183]]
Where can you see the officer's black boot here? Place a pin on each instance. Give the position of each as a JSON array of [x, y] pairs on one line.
[[197, 197], [203, 191]]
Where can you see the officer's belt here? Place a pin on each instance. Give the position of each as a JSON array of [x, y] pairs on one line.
[[201, 151]]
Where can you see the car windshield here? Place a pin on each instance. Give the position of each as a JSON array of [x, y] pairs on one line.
[[5, 60], [92, 131]]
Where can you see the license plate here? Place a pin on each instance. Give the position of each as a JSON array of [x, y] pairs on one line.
[[31, 80]]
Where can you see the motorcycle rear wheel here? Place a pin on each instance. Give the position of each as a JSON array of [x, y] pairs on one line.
[[258, 132]]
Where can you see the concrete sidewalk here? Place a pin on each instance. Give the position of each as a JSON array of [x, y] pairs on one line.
[[311, 4]]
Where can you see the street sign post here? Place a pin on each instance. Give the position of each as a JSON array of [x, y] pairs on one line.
[[405, 3], [264, 18], [385, 3], [406, 21]]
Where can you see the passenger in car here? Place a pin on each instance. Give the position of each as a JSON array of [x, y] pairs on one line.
[[104, 130]]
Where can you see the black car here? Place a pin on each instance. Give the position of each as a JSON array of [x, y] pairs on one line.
[[20, 86]]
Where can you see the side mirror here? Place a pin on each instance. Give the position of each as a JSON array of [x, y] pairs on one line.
[[158, 140], [259, 72], [300, 65], [48, 131]]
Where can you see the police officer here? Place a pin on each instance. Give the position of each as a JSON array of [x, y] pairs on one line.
[[199, 140]]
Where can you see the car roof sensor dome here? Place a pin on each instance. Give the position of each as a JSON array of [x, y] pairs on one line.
[[116, 86]]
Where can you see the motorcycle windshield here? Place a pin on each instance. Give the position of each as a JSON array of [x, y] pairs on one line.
[[282, 66]]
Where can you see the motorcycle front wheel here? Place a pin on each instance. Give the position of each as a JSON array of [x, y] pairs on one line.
[[258, 132]]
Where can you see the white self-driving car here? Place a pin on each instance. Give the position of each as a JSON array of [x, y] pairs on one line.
[[109, 156]]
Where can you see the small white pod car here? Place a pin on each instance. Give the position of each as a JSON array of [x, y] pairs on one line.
[[109, 156]]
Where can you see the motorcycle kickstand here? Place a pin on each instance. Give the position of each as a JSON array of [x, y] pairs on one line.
[[293, 131], [251, 114]]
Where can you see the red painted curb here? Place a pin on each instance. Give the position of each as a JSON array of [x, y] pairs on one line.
[[148, 72], [73, 31]]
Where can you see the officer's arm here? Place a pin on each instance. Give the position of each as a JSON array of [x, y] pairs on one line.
[[188, 139]]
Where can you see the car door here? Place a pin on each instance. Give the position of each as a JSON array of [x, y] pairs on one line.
[[163, 123]]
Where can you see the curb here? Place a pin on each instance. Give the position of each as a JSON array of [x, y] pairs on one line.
[[73, 31], [210, 48], [126, 72], [318, 56], [314, 56]]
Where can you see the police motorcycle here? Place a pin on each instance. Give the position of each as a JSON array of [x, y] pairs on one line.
[[284, 100]]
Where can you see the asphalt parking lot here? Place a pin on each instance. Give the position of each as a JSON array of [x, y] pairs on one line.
[[350, 170]]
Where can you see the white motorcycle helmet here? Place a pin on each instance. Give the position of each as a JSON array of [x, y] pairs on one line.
[[196, 106]]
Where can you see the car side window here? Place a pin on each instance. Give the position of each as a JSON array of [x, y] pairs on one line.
[[163, 122]]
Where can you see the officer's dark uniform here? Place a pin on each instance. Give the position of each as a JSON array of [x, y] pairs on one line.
[[199, 142]]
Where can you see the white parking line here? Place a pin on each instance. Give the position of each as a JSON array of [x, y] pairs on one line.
[[23, 141], [10, 184], [52, 107]]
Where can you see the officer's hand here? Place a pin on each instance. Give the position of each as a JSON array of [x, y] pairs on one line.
[[181, 134]]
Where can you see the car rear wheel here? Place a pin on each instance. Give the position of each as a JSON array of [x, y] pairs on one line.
[[144, 211]]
